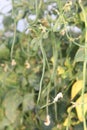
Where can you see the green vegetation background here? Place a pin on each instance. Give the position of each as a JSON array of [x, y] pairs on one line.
[[36, 66]]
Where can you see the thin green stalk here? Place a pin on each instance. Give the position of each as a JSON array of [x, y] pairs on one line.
[[43, 70], [84, 65], [36, 4], [73, 41], [67, 128], [13, 43], [70, 38], [38, 9], [53, 77], [47, 103], [14, 37]]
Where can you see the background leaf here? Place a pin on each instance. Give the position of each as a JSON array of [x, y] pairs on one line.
[[11, 103], [28, 102], [4, 123], [4, 52], [80, 54]]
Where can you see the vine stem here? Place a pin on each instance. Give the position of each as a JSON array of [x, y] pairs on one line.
[[13, 43], [14, 37], [55, 47], [43, 70], [84, 65], [45, 62]]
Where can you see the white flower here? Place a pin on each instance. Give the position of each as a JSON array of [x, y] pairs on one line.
[[13, 63], [47, 122], [59, 95]]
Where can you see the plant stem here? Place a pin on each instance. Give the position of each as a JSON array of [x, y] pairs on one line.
[[43, 70], [84, 65], [14, 37]]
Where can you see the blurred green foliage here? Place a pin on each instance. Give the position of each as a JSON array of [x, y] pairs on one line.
[[29, 61]]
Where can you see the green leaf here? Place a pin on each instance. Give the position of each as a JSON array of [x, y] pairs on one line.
[[34, 81], [7, 21], [1, 113], [28, 102], [8, 80], [11, 79], [4, 52], [5, 122], [34, 44], [80, 55], [11, 102], [45, 36]]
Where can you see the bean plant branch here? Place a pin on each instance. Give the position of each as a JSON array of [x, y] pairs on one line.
[[84, 64], [14, 37]]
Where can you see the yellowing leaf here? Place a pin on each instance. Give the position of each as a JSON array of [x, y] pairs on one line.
[[69, 120], [67, 62], [75, 123], [60, 70], [66, 122], [52, 59], [77, 86], [69, 109], [79, 104]]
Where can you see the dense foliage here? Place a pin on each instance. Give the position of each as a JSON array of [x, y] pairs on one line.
[[43, 67]]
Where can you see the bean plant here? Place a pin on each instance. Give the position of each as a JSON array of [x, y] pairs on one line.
[[43, 65]]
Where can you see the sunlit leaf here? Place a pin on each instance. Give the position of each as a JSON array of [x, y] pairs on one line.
[[82, 14], [79, 104], [69, 109], [77, 86], [66, 122], [67, 62], [52, 59], [60, 70]]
